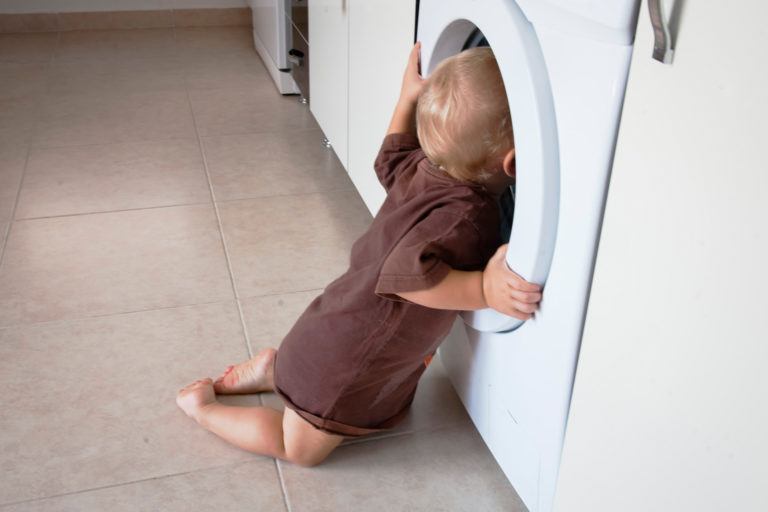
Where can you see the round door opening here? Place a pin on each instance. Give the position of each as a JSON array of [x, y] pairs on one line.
[[533, 203], [477, 39]]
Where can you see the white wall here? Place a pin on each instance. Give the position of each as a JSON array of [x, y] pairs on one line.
[[670, 405], [19, 6]]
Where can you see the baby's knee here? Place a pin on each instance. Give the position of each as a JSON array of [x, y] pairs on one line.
[[303, 443], [304, 458]]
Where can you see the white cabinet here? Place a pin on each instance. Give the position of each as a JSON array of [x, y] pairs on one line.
[[380, 37], [329, 70], [358, 51], [669, 405]]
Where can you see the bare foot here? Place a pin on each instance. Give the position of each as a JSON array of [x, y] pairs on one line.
[[193, 398], [252, 376]]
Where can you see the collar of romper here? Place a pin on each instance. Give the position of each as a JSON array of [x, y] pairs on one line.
[[426, 165]]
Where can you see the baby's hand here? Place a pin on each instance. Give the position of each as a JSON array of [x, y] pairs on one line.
[[412, 81], [506, 292]]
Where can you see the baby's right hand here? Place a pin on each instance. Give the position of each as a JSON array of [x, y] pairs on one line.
[[507, 292]]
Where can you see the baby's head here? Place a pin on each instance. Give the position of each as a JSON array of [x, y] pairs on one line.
[[463, 119]]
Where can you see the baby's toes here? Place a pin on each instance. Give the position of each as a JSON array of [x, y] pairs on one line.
[[226, 372], [186, 388], [191, 387]]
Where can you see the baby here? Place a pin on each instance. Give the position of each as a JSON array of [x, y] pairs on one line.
[[351, 363]]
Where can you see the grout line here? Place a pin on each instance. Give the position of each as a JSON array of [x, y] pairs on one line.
[[114, 142], [13, 211], [286, 132], [273, 294], [283, 488], [122, 484], [147, 310], [99, 212], [33, 132], [280, 478], [256, 131], [290, 194], [218, 222], [425, 430], [116, 313]]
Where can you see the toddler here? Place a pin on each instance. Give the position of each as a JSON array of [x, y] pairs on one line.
[[351, 363]]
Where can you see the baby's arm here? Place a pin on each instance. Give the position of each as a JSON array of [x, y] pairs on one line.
[[496, 287], [459, 290], [404, 117]]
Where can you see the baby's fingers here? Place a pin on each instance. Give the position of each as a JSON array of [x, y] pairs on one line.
[[520, 315], [415, 54], [516, 282], [516, 309], [413, 61], [524, 307], [525, 297]]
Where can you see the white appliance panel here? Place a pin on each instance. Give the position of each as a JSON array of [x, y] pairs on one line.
[[269, 25], [517, 385], [271, 20]]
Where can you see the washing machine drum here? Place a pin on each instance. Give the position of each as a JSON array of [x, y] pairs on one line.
[[446, 27]]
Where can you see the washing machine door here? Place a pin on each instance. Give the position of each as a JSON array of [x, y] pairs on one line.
[[445, 27]]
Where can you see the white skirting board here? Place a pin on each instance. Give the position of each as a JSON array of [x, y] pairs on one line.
[[31, 6]]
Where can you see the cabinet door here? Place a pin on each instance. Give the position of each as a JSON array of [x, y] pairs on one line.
[[328, 70], [380, 37], [669, 405]]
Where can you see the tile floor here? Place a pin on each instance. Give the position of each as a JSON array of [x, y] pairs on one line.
[[164, 212]]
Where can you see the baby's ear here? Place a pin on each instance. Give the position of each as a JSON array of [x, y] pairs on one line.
[[509, 163]]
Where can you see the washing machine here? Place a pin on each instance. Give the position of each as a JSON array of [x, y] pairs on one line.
[[564, 64]]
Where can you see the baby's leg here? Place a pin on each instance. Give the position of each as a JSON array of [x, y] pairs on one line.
[[257, 429]]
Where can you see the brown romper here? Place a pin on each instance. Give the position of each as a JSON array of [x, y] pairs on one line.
[[351, 363]]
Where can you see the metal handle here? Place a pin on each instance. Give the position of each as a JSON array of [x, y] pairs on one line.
[[662, 42]]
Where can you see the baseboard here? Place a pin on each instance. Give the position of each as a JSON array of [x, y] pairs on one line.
[[115, 20]]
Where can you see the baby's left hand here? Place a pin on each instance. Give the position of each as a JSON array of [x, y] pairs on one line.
[[412, 81], [507, 292]]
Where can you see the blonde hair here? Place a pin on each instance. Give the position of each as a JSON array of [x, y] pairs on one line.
[[462, 117]]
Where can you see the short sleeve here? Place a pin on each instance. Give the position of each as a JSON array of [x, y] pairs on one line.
[[398, 151], [424, 256]]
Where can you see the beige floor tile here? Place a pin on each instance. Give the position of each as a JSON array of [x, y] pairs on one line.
[[115, 45], [115, 20], [88, 265], [27, 47], [449, 469], [11, 168], [3, 232], [290, 243], [123, 75], [98, 178], [206, 41], [68, 120], [272, 163], [269, 318], [239, 71], [18, 80], [18, 118], [243, 487], [28, 22], [91, 402], [212, 17], [230, 111]]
